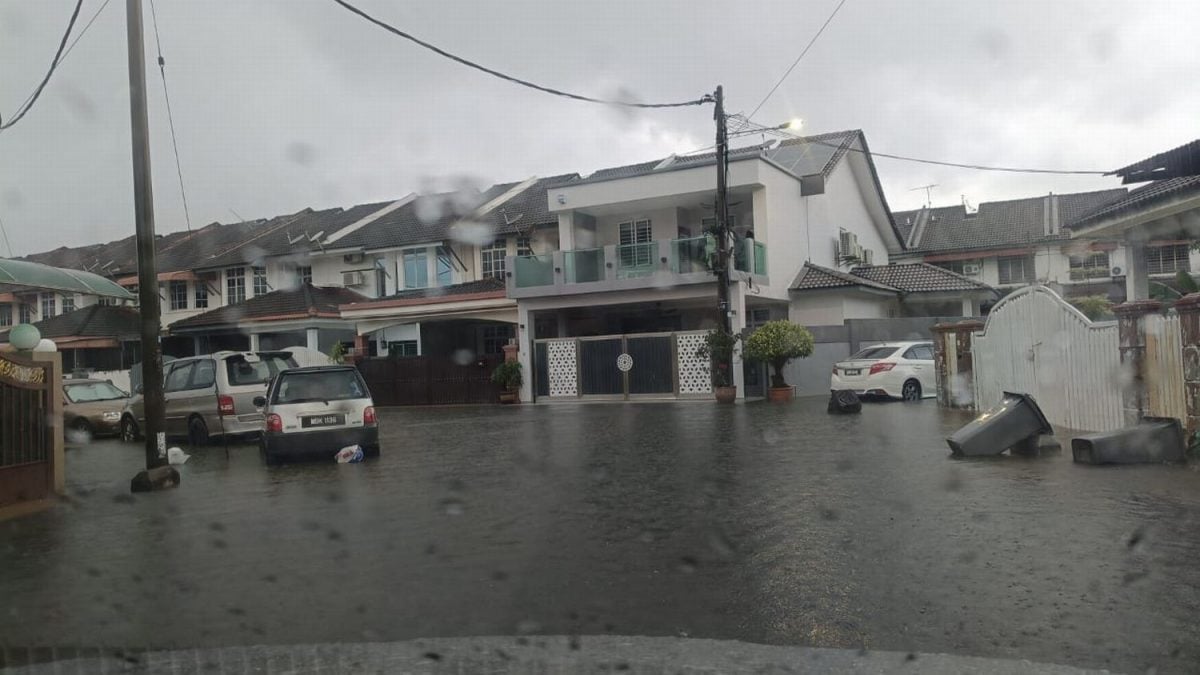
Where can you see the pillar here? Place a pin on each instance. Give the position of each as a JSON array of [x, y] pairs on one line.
[[953, 362], [969, 307], [196, 346], [312, 338], [525, 338], [561, 317], [1137, 277], [737, 303], [1188, 308], [361, 348], [1131, 326], [254, 342]]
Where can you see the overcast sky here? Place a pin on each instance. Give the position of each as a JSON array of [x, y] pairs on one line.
[[281, 105]]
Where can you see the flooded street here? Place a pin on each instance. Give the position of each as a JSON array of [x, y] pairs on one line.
[[774, 524]]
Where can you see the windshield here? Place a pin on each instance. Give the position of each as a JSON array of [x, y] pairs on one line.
[[242, 372], [92, 391], [319, 386], [874, 353]]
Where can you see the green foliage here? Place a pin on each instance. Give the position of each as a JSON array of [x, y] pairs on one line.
[[508, 375], [1186, 283], [777, 343], [1092, 306], [1181, 285], [337, 354], [718, 348]]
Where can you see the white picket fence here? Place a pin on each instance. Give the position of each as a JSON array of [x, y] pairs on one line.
[[1164, 367], [1036, 343]]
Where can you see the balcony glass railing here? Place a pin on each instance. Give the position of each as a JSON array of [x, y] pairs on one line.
[[760, 258], [583, 266], [750, 256], [689, 255], [636, 260], [533, 270]]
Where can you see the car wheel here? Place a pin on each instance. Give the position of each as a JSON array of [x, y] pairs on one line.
[[197, 432], [911, 391], [129, 430]]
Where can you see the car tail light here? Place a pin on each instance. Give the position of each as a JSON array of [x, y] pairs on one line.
[[881, 367], [369, 416], [274, 423], [225, 404]]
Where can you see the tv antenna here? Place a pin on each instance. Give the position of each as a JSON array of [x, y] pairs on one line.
[[928, 193]]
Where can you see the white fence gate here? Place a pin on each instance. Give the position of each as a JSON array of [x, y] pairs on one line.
[[1164, 367], [1036, 343]]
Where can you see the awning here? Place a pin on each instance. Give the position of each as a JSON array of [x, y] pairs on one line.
[[21, 275]]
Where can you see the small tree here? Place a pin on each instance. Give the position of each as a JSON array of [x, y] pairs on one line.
[[508, 375], [718, 348], [1093, 306], [777, 343], [337, 354]]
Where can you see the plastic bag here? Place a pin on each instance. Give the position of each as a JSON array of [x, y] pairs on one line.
[[351, 454]]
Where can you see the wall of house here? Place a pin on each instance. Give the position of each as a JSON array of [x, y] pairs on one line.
[[843, 207], [833, 307], [698, 180], [406, 331]]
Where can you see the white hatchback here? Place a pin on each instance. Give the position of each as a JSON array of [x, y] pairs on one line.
[[897, 369]]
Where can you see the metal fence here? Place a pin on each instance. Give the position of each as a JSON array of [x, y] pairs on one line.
[[26, 430], [621, 366]]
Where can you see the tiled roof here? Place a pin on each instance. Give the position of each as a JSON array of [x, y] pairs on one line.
[[527, 209], [814, 277], [918, 278], [277, 236], [426, 218], [1143, 197], [91, 321], [1174, 163], [303, 301], [997, 224]]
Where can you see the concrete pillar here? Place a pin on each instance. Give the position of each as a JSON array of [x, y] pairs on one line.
[[312, 338], [196, 346], [510, 352], [1188, 308], [737, 303], [952, 360], [361, 349], [1137, 278], [1131, 326], [561, 317], [525, 338], [566, 230], [969, 307], [254, 342]]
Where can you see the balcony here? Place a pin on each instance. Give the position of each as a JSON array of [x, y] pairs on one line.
[[652, 264]]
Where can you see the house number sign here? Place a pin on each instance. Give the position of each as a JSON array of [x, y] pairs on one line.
[[624, 363]]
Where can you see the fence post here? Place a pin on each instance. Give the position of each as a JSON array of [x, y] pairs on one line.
[[1188, 308], [510, 352], [945, 368], [1131, 327]]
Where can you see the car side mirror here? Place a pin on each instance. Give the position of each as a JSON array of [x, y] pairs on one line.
[[260, 401]]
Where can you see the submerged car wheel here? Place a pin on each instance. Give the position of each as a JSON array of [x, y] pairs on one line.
[[197, 432], [911, 391], [129, 429]]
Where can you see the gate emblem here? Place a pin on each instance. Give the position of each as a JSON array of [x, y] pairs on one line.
[[624, 363]]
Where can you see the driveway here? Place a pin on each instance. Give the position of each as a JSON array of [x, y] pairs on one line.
[[773, 524]]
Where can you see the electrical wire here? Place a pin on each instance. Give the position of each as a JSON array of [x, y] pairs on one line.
[[798, 58], [62, 44], [4, 231], [707, 98], [74, 42], [162, 70]]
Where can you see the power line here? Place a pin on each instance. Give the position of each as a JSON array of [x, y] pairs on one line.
[[4, 231], [524, 83], [162, 70], [74, 42], [62, 44], [797, 61]]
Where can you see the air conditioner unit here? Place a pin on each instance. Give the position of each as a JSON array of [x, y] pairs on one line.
[[858, 252], [868, 258], [1117, 271], [971, 269], [353, 258], [353, 279], [847, 241]]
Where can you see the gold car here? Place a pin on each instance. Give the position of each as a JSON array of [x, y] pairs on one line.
[[93, 407]]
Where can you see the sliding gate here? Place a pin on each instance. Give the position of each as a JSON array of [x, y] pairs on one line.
[[647, 365]]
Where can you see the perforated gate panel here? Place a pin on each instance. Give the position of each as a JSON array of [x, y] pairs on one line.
[[598, 367], [651, 371], [694, 376], [561, 371]]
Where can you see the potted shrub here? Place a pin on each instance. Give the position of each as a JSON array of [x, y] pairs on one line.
[[508, 376], [777, 343], [718, 348]]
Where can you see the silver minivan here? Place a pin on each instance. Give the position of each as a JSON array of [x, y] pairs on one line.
[[210, 396]]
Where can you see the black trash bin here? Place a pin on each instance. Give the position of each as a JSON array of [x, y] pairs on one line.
[[1156, 439], [1016, 419], [844, 402]]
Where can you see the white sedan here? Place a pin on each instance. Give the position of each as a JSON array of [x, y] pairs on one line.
[[897, 369]]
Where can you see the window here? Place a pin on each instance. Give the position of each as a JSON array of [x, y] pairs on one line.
[[495, 337], [874, 353], [1016, 269], [919, 353], [329, 385], [68, 303], [524, 246], [235, 285], [955, 266], [1089, 265], [633, 233], [757, 317], [25, 313], [380, 279], [204, 375], [92, 391], [5, 315], [106, 301], [402, 348], [260, 281], [239, 371], [47, 305], [304, 275], [201, 295], [178, 295], [491, 259], [445, 270], [416, 269], [177, 379], [1167, 259]]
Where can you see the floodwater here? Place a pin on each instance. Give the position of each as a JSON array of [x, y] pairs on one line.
[[766, 523]]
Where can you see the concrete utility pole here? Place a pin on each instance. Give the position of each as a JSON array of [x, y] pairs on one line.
[[143, 205], [722, 213]]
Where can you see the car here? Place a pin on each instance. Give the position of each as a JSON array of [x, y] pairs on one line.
[[316, 411], [901, 370], [210, 396], [93, 407]]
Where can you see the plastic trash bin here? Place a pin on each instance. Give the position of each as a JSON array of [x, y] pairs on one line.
[[844, 402], [1156, 439], [1014, 420]]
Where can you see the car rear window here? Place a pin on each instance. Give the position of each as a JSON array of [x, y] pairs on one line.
[[329, 385], [875, 353], [242, 372]]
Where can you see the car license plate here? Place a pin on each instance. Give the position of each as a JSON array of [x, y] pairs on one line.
[[856, 371], [322, 421]]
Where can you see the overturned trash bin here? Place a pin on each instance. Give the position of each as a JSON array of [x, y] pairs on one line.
[[1014, 421], [1156, 439], [844, 402]]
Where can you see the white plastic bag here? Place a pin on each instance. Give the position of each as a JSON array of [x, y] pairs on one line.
[[351, 454]]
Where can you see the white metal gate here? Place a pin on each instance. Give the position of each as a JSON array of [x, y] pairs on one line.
[[1036, 343], [1164, 367]]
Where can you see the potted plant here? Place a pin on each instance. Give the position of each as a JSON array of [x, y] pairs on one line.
[[508, 376], [777, 343], [718, 348]]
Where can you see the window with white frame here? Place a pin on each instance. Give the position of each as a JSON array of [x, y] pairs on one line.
[[235, 285], [303, 275], [177, 295], [260, 281], [1169, 259], [491, 259], [445, 269], [1089, 265], [495, 337], [1015, 269], [47, 305], [201, 295], [5, 315], [105, 301], [416, 269], [635, 235], [25, 313], [402, 348], [68, 303], [524, 245]]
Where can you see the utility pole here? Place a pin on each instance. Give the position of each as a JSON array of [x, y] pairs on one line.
[[143, 206], [722, 213]]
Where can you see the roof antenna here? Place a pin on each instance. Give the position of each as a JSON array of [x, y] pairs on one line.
[[928, 193], [967, 205]]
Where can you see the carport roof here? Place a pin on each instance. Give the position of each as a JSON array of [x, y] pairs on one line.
[[1141, 198], [903, 278], [306, 301], [471, 290], [93, 321]]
